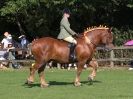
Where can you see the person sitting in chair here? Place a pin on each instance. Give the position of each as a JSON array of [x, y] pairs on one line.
[[66, 33]]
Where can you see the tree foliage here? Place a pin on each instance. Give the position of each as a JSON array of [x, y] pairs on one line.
[[42, 17]]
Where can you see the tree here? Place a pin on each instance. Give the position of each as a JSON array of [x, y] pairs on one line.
[[15, 10], [42, 17]]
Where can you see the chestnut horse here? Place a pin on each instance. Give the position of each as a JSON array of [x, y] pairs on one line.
[[46, 49]]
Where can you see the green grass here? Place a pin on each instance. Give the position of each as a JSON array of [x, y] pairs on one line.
[[109, 84]]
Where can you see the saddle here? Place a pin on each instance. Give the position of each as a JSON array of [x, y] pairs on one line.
[[72, 55]]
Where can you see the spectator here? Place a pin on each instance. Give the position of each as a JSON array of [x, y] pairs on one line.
[[24, 44], [11, 56], [24, 41], [3, 56], [7, 40]]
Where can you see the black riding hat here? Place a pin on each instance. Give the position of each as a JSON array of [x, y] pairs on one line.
[[66, 10]]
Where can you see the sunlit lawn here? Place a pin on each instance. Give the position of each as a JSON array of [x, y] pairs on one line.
[[109, 84]]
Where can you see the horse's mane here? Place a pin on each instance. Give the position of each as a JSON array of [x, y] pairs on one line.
[[94, 28]]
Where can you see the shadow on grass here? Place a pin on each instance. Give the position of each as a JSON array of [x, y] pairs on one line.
[[53, 83], [71, 83], [31, 85]]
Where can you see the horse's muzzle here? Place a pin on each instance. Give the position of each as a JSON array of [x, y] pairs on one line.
[[109, 47]]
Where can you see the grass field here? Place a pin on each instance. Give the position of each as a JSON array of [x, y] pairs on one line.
[[109, 84]]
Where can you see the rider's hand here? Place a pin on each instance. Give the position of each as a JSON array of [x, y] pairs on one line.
[[76, 35]]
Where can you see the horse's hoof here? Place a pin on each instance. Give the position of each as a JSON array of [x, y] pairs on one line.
[[90, 80], [44, 85], [77, 84], [29, 82]]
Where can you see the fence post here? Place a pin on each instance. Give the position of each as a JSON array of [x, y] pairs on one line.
[[10, 64], [111, 58], [10, 57]]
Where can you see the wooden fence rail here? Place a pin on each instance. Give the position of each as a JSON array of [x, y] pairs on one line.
[[123, 54], [119, 55]]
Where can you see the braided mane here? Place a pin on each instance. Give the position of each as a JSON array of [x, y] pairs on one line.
[[94, 27]]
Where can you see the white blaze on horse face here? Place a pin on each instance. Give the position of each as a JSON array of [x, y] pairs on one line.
[[87, 40]]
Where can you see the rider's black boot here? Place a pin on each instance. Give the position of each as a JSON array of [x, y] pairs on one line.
[[72, 56]]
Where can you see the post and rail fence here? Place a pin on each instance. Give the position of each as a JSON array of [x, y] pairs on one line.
[[117, 56]]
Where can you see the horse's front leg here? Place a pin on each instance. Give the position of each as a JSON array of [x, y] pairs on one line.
[[43, 83], [77, 79], [94, 65]]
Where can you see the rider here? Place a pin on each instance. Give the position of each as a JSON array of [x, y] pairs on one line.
[[66, 33]]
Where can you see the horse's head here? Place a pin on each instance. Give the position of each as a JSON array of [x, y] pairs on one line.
[[107, 39], [100, 36]]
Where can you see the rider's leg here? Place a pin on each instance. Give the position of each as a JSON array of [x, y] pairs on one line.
[[70, 39], [73, 43], [72, 51]]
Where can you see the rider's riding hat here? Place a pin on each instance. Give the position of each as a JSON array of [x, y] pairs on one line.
[[66, 10]]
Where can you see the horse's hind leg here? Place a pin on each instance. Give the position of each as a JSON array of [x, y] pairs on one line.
[[33, 69], [43, 83]]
